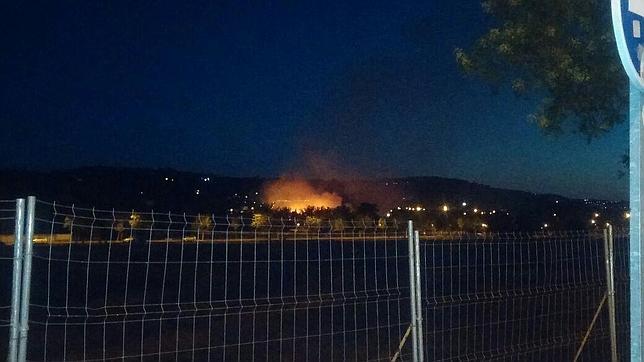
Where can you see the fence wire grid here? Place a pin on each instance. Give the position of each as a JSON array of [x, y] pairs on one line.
[[7, 220], [131, 285], [526, 296]]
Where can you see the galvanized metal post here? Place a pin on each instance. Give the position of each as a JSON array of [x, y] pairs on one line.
[[26, 278], [610, 290], [412, 291], [16, 280], [419, 305], [635, 243], [625, 17]]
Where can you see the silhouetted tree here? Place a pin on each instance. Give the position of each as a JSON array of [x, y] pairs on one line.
[[562, 51], [366, 209], [202, 224]]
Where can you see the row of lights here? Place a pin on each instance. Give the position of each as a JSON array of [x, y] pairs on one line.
[[593, 220], [443, 208]]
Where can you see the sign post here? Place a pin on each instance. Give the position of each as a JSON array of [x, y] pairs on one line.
[[635, 245], [628, 19]]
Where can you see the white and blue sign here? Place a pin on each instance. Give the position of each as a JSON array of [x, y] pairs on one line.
[[628, 24]]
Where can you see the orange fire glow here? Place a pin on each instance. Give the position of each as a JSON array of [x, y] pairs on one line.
[[297, 195]]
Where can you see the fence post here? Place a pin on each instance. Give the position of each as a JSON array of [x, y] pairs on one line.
[[412, 291], [419, 305], [16, 280], [610, 289], [26, 278]]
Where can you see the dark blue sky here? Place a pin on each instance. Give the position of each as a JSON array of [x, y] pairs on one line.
[[371, 90]]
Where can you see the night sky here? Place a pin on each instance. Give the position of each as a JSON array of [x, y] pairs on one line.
[[354, 89]]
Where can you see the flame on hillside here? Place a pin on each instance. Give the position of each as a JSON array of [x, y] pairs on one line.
[[298, 195]]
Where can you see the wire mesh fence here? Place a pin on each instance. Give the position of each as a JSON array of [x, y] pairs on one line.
[[7, 218], [128, 285], [530, 296], [112, 285]]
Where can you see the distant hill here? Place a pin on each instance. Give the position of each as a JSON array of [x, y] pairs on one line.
[[167, 189], [127, 188]]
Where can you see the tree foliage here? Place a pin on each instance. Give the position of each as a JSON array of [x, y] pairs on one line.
[[135, 220], [259, 220], [563, 51], [202, 224]]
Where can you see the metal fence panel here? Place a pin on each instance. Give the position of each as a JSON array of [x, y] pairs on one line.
[[521, 295], [110, 284], [8, 211]]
